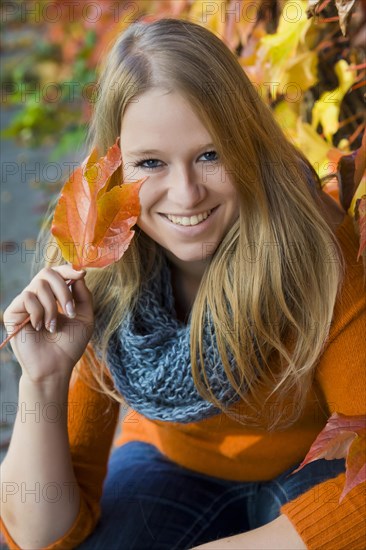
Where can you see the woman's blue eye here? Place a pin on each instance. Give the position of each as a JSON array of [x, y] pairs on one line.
[[143, 163], [211, 153]]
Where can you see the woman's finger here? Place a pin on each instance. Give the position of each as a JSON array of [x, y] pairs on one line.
[[81, 293], [54, 280], [33, 307], [23, 306], [47, 299]]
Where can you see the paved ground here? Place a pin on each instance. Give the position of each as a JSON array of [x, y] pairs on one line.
[[24, 172], [20, 217], [22, 208], [22, 204]]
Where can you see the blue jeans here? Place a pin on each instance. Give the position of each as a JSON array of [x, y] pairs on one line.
[[151, 503]]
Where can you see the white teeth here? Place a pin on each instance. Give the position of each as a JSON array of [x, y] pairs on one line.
[[193, 220]]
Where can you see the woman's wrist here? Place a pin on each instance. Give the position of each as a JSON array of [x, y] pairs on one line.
[[55, 388]]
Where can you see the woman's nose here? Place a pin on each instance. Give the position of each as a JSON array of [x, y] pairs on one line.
[[186, 188]]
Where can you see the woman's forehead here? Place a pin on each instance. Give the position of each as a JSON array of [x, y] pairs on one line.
[[162, 117]]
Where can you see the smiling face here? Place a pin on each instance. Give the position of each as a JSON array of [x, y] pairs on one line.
[[188, 203]]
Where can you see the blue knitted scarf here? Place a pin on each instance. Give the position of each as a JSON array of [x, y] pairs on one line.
[[149, 359]]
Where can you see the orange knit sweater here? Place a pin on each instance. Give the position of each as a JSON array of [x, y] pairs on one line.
[[222, 447]]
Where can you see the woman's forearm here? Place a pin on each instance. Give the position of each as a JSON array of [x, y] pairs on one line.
[[40, 495]]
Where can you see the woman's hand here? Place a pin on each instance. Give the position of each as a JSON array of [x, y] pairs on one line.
[[60, 327]]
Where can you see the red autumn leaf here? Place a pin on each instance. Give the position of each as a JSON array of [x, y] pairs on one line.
[[360, 216], [355, 463], [360, 160], [350, 170], [346, 182], [343, 437], [92, 222]]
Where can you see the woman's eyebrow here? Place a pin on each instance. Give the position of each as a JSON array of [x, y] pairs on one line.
[[139, 152], [144, 152]]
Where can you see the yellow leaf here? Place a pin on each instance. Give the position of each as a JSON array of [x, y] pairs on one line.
[[276, 50], [326, 108], [300, 75], [287, 114], [314, 148]]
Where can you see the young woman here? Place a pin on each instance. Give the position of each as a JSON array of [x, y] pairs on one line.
[[232, 327]]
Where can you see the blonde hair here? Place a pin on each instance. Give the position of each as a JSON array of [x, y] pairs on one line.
[[268, 288]]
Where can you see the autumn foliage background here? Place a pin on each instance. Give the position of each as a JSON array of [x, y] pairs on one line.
[[306, 58]]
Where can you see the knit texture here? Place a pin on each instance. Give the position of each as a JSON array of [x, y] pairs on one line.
[[149, 358]]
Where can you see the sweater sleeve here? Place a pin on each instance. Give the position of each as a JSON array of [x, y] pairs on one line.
[[92, 419], [323, 522]]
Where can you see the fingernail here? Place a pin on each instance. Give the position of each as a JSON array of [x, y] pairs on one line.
[[70, 309], [52, 326], [38, 326]]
